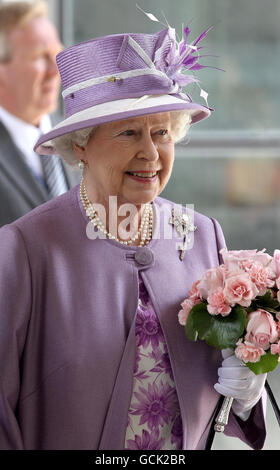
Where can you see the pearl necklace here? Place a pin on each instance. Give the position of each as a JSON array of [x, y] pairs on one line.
[[146, 226]]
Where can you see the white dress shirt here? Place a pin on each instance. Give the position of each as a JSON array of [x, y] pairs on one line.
[[25, 137]]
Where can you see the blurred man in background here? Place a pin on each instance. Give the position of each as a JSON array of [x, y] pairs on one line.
[[29, 87]]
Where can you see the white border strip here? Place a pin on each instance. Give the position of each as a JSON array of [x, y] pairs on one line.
[[119, 106]]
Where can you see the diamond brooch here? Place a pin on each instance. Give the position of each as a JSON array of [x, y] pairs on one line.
[[184, 226]]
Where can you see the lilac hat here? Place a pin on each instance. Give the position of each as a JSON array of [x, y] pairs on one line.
[[125, 75]]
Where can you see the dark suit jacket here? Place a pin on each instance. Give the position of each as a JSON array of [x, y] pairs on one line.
[[19, 190]]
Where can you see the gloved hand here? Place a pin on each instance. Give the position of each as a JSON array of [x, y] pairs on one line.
[[238, 381]]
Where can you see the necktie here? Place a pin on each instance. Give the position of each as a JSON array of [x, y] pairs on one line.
[[54, 175]]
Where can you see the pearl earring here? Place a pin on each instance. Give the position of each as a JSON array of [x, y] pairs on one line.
[[81, 165]]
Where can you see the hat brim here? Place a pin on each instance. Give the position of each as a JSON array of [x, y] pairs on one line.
[[115, 111]]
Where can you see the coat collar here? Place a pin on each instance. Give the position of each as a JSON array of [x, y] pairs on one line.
[[12, 164]]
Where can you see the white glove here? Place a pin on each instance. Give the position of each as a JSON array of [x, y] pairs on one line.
[[238, 381]]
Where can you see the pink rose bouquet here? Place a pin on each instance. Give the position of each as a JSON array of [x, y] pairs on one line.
[[237, 305]]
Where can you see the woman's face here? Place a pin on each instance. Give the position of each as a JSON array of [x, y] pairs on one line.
[[131, 159]]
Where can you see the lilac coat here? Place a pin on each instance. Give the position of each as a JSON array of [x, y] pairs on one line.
[[67, 339]]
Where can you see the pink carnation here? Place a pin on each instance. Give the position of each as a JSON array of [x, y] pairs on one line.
[[217, 303], [261, 277], [194, 293], [184, 313], [248, 352], [239, 289], [275, 349]]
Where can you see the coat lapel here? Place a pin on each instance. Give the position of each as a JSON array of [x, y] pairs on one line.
[[114, 429], [13, 166], [194, 364]]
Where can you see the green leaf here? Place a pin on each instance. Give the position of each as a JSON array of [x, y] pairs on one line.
[[191, 332], [267, 301], [201, 319], [271, 310], [267, 363], [218, 331]]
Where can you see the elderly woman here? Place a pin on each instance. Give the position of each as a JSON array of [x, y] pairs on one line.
[[92, 355]]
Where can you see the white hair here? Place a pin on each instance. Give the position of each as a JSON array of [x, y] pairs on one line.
[[180, 124]]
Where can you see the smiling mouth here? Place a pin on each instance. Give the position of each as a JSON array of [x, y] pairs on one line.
[[143, 174]]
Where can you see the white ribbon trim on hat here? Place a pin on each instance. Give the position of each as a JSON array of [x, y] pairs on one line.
[[121, 106], [151, 70], [108, 78]]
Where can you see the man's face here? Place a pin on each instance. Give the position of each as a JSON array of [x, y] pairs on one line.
[[29, 81]]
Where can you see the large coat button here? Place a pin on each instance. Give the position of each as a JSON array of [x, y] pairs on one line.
[[144, 256]]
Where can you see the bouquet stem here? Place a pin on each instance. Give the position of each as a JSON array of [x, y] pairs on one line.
[[222, 418]]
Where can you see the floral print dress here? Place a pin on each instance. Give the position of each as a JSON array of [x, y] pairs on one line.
[[154, 421]]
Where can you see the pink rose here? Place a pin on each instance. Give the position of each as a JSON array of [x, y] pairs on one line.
[[248, 352], [236, 258], [276, 263], [275, 349], [278, 287], [184, 313], [239, 289], [277, 322], [217, 304], [261, 329], [211, 280], [236, 255]]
